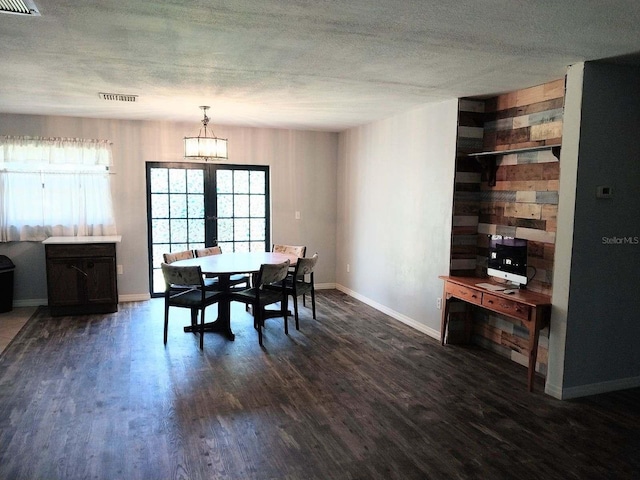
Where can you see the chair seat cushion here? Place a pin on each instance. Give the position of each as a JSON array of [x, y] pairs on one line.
[[249, 296], [240, 278], [301, 286], [193, 298]]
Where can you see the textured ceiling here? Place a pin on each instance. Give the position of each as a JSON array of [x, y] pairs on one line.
[[320, 65]]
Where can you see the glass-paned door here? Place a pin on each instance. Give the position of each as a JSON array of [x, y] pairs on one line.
[[196, 205], [241, 197]]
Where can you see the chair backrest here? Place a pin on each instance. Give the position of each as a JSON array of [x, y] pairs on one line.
[[272, 273], [183, 276], [205, 252], [305, 266], [297, 250], [175, 256]]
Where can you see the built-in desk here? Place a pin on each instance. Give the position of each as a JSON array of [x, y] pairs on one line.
[[532, 309]]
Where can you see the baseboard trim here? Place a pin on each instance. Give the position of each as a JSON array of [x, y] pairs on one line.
[[136, 297], [600, 387], [392, 313], [37, 302], [553, 391], [30, 302]]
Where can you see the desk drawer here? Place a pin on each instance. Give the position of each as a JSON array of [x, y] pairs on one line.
[[508, 307], [465, 293]]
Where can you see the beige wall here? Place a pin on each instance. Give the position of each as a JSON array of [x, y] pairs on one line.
[[395, 190], [303, 178]]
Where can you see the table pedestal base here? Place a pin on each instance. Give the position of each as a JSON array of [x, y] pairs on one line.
[[221, 325], [216, 327]]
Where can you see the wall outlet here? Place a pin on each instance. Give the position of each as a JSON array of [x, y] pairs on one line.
[[297, 215], [348, 268], [119, 269], [439, 303]]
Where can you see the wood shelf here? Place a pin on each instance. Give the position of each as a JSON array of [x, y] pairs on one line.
[[489, 163], [555, 150]]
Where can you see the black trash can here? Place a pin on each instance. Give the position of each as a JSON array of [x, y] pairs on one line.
[[6, 284]]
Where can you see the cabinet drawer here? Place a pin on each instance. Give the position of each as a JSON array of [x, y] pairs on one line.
[[465, 293], [81, 250], [508, 307]]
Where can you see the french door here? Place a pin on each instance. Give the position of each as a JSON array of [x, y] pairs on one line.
[[197, 205]]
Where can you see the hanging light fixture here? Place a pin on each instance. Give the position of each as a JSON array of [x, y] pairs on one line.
[[204, 146]]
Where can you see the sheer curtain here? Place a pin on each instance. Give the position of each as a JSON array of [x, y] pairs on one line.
[[54, 186]]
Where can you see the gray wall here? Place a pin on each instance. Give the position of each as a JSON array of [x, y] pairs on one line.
[[378, 198], [603, 325], [303, 178], [395, 191]]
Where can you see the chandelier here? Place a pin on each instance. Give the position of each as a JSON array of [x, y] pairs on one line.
[[207, 147]]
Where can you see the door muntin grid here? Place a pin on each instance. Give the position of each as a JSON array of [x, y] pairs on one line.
[[242, 213], [191, 205]]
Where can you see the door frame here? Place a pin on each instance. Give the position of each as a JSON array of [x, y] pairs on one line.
[[210, 202]]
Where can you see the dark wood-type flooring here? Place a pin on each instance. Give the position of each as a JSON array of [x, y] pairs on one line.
[[352, 395]]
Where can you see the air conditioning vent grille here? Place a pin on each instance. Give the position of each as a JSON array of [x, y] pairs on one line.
[[19, 7], [118, 97]]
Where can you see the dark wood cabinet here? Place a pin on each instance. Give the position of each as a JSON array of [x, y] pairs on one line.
[[81, 278]]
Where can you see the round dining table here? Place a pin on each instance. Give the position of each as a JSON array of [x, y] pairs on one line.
[[223, 266]]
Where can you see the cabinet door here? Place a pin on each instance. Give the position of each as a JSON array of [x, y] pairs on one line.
[[101, 280], [62, 279]]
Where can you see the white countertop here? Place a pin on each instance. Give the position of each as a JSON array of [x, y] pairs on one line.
[[79, 240]]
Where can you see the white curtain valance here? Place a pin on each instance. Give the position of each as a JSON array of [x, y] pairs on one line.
[[54, 186], [55, 151]]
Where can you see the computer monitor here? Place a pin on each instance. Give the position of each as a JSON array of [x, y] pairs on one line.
[[508, 259]]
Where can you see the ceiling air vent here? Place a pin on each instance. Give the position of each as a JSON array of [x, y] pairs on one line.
[[19, 7], [117, 97]]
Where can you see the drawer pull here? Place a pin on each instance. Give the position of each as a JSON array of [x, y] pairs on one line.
[[76, 268]]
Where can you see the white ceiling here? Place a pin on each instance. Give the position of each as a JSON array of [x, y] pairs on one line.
[[318, 65]]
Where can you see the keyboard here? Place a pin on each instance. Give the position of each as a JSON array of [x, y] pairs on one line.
[[491, 287]]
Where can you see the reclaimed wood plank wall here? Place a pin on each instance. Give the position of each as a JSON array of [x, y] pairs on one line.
[[523, 203], [466, 196], [466, 204]]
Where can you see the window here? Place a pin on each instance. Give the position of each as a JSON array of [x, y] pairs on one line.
[[197, 205], [54, 186]]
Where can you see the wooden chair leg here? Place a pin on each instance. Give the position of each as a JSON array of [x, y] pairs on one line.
[[313, 301], [194, 317], [202, 330], [166, 321], [255, 315], [285, 307], [284, 314], [258, 313], [295, 310]]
